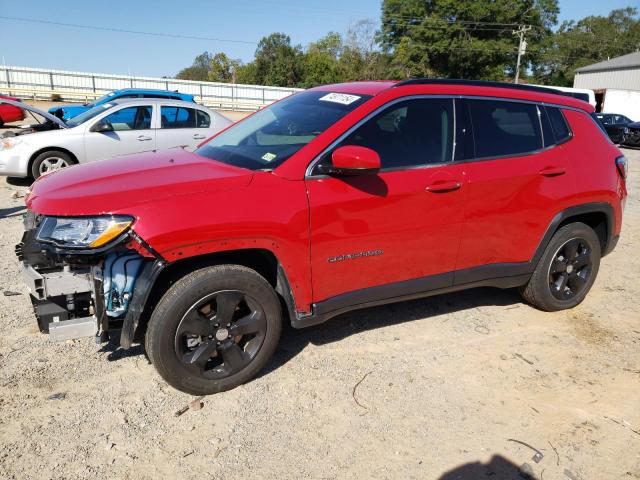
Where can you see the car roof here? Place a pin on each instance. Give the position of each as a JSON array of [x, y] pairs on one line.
[[439, 86], [152, 91], [162, 101]]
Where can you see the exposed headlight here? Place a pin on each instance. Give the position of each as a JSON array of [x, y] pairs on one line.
[[82, 232], [9, 143]]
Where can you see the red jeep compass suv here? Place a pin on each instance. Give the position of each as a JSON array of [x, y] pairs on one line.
[[333, 199]]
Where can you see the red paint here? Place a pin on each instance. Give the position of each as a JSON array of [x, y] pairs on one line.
[[11, 113], [408, 223], [353, 157]]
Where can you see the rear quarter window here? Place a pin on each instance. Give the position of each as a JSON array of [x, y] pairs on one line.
[[559, 125], [202, 119]]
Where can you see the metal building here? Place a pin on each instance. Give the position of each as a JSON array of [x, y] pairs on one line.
[[616, 83]]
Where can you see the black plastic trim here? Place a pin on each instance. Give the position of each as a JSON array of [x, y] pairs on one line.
[[146, 246], [596, 207], [611, 244], [144, 283], [397, 292]]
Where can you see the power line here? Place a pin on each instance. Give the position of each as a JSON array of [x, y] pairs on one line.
[[122, 30], [468, 28]]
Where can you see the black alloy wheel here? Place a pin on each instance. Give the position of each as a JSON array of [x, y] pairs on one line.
[[566, 270], [570, 269], [221, 333], [214, 329]]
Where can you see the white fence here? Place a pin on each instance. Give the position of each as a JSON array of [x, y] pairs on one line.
[[38, 83]]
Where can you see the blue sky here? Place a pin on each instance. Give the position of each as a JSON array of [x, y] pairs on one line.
[[71, 48]]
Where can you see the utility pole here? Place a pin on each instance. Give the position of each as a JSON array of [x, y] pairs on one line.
[[522, 47]]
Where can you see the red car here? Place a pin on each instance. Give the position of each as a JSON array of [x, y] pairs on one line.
[[333, 199], [10, 113]]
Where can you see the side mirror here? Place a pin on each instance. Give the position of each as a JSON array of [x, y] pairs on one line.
[[102, 127], [353, 160]]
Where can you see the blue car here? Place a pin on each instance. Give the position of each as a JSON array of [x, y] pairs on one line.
[[65, 112]]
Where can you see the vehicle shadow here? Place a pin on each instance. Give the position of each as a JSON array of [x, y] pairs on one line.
[[116, 353], [498, 468], [294, 341], [19, 181], [11, 211]]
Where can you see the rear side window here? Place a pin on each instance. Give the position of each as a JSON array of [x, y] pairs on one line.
[[502, 128], [177, 117], [559, 124]]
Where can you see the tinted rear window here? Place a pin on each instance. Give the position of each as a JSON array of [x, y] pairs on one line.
[[502, 128]]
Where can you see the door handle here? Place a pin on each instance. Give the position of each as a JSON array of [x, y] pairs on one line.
[[143, 138], [442, 187], [198, 136], [552, 171]]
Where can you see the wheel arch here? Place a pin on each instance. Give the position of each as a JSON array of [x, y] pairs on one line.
[[158, 277], [34, 155], [599, 216]]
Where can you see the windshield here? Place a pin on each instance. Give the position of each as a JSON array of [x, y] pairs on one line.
[[88, 115], [270, 136]]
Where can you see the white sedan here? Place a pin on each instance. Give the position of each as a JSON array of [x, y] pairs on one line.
[[117, 128]]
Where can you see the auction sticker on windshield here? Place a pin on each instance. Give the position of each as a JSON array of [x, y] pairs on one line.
[[343, 98]]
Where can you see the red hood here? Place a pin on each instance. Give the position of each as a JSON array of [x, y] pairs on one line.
[[110, 186]]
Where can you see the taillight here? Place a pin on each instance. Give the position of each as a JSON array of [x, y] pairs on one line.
[[621, 164]]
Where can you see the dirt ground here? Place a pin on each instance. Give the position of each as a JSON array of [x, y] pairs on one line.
[[446, 387]]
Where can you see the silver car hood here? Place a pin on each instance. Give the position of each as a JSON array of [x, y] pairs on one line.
[[42, 113]]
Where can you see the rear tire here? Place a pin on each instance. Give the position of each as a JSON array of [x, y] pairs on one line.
[[50, 161], [567, 269], [214, 329]]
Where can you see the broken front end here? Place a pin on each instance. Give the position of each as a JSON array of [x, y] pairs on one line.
[[86, 275]]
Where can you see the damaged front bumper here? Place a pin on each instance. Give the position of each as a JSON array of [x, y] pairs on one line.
[[90, 292]]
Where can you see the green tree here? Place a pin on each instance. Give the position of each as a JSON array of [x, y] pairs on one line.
[[199, 70], [320, 62], [361, 57], [583, 42], [277, 62], [463, 38], [223, 68]]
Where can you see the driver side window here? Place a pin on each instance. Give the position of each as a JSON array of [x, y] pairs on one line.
[[131, 118], [408, 134]]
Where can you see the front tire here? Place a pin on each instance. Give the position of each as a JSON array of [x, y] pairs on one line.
[[214, 329], [567, 269], [50, 161]]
